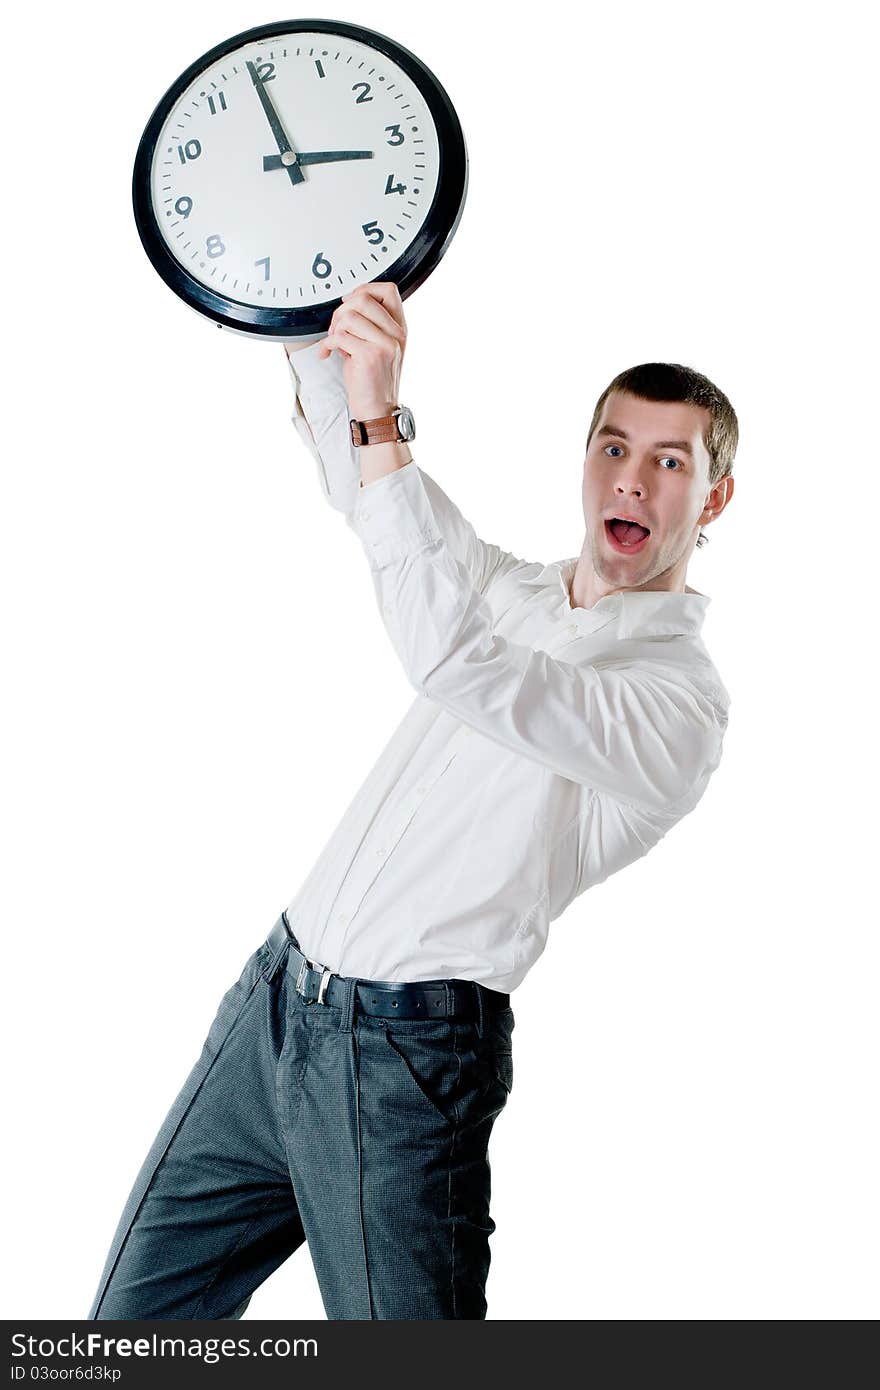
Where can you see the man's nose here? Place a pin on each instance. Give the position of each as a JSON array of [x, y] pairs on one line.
[[633, 477]]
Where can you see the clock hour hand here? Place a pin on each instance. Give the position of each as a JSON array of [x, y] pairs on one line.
[[281, 140], [276, 161]]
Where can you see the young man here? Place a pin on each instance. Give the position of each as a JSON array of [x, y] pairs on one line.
[[567, 716]]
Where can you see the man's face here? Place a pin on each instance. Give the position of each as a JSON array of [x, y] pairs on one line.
[[646, 460]]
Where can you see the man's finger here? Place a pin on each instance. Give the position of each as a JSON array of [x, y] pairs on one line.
[[342, 341], [357, 325], [369, 308], [385, 292]]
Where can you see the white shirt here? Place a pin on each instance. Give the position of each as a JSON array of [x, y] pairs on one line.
[[547, 746]]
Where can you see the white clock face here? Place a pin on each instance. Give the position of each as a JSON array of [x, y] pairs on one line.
[[293, 169]]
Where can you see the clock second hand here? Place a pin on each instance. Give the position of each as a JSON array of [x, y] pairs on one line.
[[281, 140], [283, 161]]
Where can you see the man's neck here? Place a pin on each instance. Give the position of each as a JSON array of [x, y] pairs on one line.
[[586, 587]]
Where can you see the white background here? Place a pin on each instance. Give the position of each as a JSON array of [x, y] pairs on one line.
[[692, 1132]]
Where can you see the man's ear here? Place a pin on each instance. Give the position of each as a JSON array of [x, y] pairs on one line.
[[720, 495]]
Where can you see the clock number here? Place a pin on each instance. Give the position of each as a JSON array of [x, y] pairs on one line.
[[183, 206], [373, 232], [396, 138], [219, 105], [398, 187], [214, 246], [319, 261], [191, 150], [269, 69], [264, 262], [363, 96]]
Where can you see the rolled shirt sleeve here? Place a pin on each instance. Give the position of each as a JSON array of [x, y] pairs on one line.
[[641, 735], [320, 415]]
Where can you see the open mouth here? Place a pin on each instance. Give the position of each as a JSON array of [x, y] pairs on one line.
[[626, 536]]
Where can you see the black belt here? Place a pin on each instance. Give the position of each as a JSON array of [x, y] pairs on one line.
[[317, 984]]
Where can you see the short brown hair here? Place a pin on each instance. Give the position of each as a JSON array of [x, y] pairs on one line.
[[669, 381]]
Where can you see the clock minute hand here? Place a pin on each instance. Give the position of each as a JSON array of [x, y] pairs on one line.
[[275, 161], [281, 140]]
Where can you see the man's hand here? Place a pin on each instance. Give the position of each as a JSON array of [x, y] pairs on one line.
[[369, 331]]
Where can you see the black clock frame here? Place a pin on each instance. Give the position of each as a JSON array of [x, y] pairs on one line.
[[408, 272]]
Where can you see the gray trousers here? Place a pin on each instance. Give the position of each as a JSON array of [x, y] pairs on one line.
[[365, 1137]]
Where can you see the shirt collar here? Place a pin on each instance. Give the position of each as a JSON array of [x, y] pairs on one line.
[[637, 612]]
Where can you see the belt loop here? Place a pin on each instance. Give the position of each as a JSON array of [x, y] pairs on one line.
[[276, 954], [479, 1009], [348, 1006]]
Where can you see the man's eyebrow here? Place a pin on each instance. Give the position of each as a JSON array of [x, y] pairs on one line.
[[661, 443]]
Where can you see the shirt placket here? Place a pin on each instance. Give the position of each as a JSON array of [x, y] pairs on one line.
[[572, 632], [382, 839]]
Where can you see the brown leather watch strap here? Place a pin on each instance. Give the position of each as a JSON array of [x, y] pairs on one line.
[[384, 430]]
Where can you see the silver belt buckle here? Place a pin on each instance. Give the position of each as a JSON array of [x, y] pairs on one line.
[[299, 980], [326, 973]]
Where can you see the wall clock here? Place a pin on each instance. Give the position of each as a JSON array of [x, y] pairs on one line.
[[290, 164]]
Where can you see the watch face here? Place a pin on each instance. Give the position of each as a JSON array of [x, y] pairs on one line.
[[291, 164], [405, 423]]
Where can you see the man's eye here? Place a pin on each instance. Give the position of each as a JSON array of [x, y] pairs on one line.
[[678, 463]]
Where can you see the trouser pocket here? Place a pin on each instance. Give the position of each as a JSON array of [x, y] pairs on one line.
[[451, 1068], [428, 1066]]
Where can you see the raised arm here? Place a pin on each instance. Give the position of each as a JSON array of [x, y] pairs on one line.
[[321, 415], [633, 731]]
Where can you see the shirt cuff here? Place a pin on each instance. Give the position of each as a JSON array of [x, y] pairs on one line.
[[314, 378], [320, 415], [393, 517]]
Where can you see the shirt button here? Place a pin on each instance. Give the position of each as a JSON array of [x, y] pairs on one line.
[[420, 790], [365, 515]]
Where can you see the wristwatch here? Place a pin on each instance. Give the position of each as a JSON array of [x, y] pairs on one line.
[[398, 427]]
